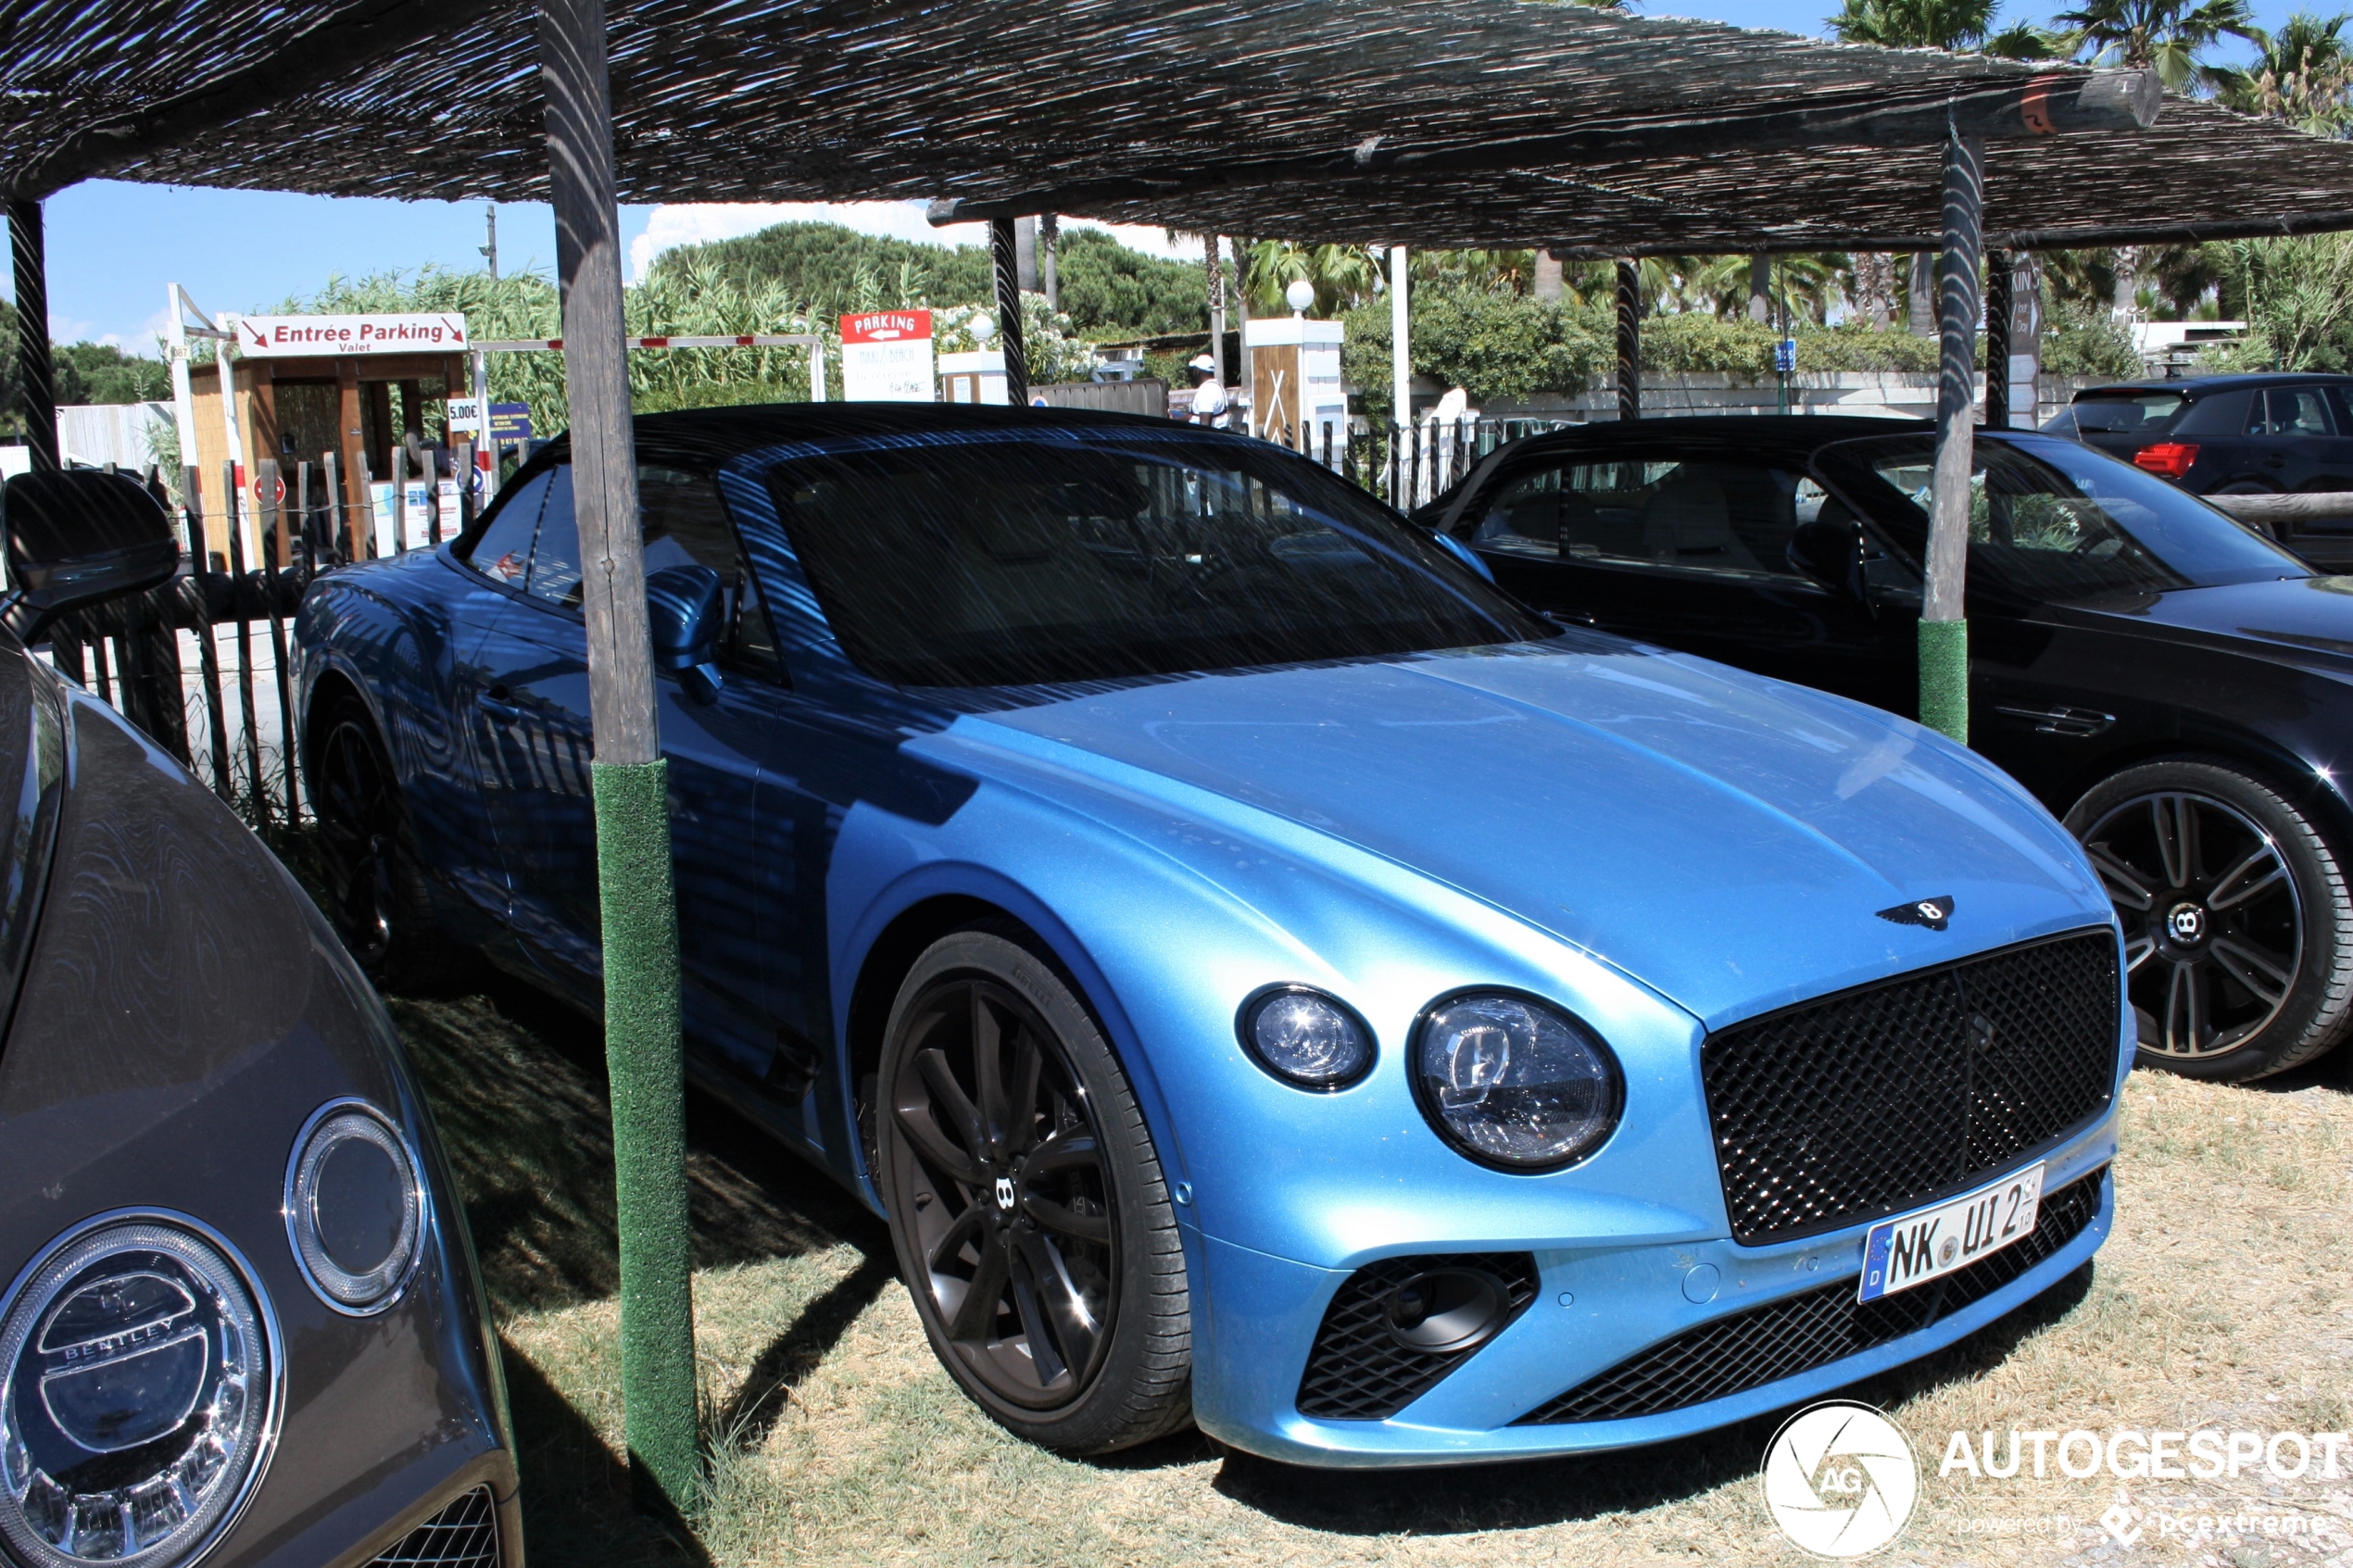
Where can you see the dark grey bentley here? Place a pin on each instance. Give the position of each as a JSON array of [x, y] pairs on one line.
[[243, 1323]]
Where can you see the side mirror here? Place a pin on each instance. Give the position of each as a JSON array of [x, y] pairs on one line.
[[684, 609], [79, 538], [1465, 554], [1828, 548]]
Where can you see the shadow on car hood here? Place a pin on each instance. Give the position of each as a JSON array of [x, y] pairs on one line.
[[1728, 840]]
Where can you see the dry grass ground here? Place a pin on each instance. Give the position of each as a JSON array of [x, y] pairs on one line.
[[2224, 1299]]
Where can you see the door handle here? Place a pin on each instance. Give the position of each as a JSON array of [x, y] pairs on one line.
[[493, 702]]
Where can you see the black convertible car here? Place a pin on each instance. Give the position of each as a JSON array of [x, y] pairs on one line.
[[2176, 688], [243, 1323]]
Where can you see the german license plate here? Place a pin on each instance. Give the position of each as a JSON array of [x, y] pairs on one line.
[[1917, 1248]]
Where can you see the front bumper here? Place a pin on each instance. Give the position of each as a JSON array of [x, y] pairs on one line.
[[1595, 1309]]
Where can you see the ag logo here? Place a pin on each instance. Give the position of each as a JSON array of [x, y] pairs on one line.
[[1840, 1480]]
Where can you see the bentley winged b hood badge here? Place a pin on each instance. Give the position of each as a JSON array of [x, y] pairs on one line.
[[1933, 913]]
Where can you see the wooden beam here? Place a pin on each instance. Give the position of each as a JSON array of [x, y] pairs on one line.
[[2060, 102], [1002, 248], [311, 56], [35, 371], [1629, 339], [1998, 310], [351, 425]]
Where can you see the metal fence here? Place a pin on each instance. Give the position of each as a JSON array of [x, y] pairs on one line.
[[1411, 466], [200, 664]]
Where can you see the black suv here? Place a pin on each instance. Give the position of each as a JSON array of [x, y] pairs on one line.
[[2224, 435]]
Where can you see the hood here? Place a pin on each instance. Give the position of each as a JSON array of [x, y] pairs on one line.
[[2308, 621], [1726, 840]]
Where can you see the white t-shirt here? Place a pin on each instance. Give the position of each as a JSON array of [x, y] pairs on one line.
[[1208, 399]]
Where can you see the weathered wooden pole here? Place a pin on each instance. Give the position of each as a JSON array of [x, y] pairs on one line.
[[1997, 339], [639, 912], [1629, 338], [1943, 628], [1002, 253], [33, 370], [1401, 341]]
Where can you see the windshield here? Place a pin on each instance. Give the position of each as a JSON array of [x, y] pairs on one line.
[[2051, 522], [1002, 559], [2126, 413]]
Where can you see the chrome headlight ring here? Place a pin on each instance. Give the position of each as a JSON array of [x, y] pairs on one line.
[[144, 1385], [356, 1208]]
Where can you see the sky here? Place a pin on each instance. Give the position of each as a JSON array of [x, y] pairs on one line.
[[114, 247]]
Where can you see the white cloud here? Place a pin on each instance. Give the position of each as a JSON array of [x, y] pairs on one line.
[[676, 223]]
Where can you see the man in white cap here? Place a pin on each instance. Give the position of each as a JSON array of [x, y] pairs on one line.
[[1209, 392]]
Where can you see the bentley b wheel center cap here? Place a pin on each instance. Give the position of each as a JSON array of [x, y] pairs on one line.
[[1005, 1192], [2186, 923]]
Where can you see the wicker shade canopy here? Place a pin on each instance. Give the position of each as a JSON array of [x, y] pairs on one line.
[[1437, 123]]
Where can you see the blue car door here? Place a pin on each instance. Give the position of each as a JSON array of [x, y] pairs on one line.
[[534, 730]]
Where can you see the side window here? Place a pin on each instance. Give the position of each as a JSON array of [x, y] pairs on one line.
[[1525, 516], [687, 524], [503, 552], [2293, 410], [1703, 514], [554, 559]]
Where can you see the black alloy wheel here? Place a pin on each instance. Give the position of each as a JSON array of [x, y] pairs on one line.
[[377, 898], [1031, 1220], [2239, 936], [357, 820]]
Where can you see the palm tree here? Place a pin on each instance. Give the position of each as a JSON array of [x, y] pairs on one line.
[[1915, 24], [2167, 36], [1342, 276], [2303, 76]]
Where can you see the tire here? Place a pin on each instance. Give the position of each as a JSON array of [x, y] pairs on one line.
[[377, 897], [2238, 926], [1040, 1206]]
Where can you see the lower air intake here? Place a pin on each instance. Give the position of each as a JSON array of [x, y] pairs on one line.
[[464, 1534], [1367, 1363], [1742, 1350]]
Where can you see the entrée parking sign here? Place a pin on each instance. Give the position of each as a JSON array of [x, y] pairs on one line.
[[265, 335]]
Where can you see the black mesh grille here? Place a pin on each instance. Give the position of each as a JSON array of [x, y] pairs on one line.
[[1884, 1099], [464, 1534], [1745, 1350], [1357, 1371]]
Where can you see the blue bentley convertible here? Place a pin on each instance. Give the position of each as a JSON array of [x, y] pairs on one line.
[[1266, 976]]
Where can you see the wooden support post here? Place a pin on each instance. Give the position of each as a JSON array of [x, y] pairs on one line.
[[1400, 349], [634, 876], [1002, 252], [34, 373], [351, 494], [1943, 628], [1049, 259], [1629, 338], [1997, 340]]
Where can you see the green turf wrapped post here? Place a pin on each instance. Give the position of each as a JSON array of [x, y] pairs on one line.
[[646, 1069], [1944, 677], [629, 778]]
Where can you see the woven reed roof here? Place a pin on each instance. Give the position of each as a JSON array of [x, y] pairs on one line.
[[1228, 115]]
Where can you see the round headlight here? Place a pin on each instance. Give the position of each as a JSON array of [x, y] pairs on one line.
[[1514, 1082], [1305, 1038], [141, 1394], [354, 1209]]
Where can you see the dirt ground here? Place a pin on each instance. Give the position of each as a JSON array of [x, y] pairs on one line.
[[2224, 1301]]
